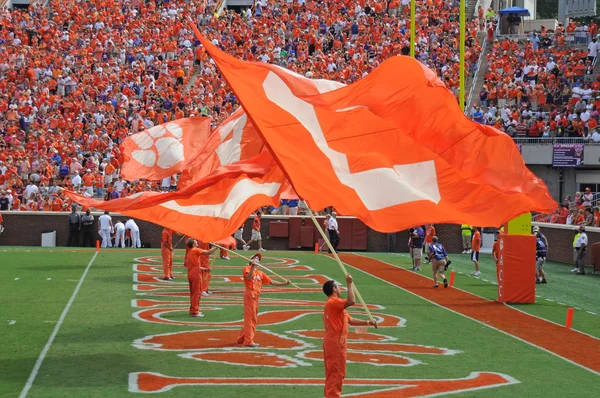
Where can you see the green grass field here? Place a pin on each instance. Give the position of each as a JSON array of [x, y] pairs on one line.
[[104, 345]]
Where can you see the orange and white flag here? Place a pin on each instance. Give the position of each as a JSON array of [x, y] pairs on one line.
[[393, 149], [236, 139], [164, 150], [213, 207]]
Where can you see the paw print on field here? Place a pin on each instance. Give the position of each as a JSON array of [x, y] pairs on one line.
[[159, 146]]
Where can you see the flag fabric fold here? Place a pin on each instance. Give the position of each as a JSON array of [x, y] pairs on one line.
[[164, 150], [392, 149], [234, 140], [210, 209]]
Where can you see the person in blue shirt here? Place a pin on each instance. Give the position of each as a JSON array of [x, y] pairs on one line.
[[293, 207], [540, 260], [56, 158], [439, 259], [477, 114], [417, 235]]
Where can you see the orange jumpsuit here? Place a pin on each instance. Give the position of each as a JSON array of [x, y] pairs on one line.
[[167, 254], [205, 275], [335, 320], [196, 264], [251, 294], [496, 249]]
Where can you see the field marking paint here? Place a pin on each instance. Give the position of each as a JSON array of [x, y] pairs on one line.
[[12, 322], [352, 336], [42, 356], [17, 279], [468, 317], [145, 343], [166, 383], [292, 362], [49, 279], [362, 358], [592, 313]]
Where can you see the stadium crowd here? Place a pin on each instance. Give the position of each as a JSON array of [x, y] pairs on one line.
[[542, 87], [78, 77], [582, 209]]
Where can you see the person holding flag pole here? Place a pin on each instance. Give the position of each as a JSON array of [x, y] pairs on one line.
[[197, 263], [336, 321], [253, 279], [260, 265], [337, 259]]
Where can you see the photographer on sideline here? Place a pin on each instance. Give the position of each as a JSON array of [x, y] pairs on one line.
[[439, 261]]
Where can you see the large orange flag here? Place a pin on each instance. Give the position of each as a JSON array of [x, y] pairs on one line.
[[164, 150], [392, 149], [234, 140], [210, 209]]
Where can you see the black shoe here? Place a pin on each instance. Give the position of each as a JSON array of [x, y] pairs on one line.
[[544, 281], [537, 281], [165, 279], [435, 286], [580, 273], [445, 283]]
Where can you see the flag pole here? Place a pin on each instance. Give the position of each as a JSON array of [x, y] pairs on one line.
[[178, 242], [260, 265], [337, 258], [412, 27], [461, 93]]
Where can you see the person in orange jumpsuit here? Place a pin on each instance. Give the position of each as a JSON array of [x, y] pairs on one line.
[[253, 279], [206, 276], [496, 252], [197, 264], [167, 254], [336, 321]]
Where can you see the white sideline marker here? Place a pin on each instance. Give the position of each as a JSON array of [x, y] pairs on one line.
[[40, 360], [12, 322]]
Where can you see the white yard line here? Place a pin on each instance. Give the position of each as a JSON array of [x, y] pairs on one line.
[[40, 359]]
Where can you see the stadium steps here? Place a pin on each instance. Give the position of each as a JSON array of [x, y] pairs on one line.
[[471, 5], [480, 78]]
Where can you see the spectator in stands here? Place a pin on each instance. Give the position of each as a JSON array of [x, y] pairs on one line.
[[588, 198], [83, 76]]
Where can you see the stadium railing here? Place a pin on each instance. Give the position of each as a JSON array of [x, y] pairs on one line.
[[476, 75], [554, 140]]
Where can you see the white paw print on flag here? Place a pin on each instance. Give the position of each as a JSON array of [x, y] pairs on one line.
[[159, 146]]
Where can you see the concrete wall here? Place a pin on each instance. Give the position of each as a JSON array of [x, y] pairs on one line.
[[25, 229], [591, 155], [537, 154], [560, 243]]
